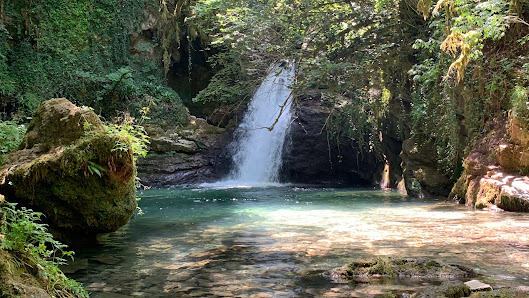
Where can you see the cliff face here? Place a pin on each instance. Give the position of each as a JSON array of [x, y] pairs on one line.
[[313, 155], [191, 154], [495, 170]]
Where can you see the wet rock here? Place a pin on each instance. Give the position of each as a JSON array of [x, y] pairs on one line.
[[165, 144], [107, 259], [448, 289], [186, 155], [402, 267], [508, 192], [476, 285], [421, 173], [502, 293], [169, 169], [51, 173], [312, 156]]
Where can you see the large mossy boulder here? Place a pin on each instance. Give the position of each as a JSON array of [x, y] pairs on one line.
[[72, 170]]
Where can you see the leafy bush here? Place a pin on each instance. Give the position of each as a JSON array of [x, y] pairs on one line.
[[31, 244], [10, 137], [130, 135], [470, 24], [230, 84], [80, 50]]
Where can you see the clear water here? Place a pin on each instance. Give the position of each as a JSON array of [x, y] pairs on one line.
[[283, 241], [258, 149]]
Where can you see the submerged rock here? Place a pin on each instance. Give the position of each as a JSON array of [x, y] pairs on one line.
[[448, 289], [68, 169], [402, 267]]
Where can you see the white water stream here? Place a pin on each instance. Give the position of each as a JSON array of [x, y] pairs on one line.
[[261, 134]]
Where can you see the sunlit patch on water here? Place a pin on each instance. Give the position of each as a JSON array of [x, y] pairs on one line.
[[282, 242]]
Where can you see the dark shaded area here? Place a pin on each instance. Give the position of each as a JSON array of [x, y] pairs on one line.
[[190, 74], [312, 156]]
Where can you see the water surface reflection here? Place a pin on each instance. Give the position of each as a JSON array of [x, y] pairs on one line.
[[282, 242]]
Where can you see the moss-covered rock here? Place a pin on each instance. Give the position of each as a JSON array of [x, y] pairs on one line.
[[421, 172], [58, 122], [403, 267], [69, 169], [448, 289]]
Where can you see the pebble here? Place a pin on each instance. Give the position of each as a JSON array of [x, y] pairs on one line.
[[476, 285]]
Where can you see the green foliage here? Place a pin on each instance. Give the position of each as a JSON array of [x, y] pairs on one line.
[[31, 243], [94, 168], [434, 114], [355, 122], [81, 50], [7, 83], [130, 135], [453, 113], [143, 86], [11, 135], [230, 84], [520, 105], [470, 24]]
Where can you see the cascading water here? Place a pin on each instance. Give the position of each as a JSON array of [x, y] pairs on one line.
[[258, 149]]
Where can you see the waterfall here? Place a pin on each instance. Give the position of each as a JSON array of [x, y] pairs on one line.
[[384, 182], [257, 150]]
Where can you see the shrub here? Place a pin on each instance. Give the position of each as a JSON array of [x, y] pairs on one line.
[[10, 137], [32, 245]]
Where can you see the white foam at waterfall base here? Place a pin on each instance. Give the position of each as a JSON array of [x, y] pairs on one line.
[[257, 151]]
